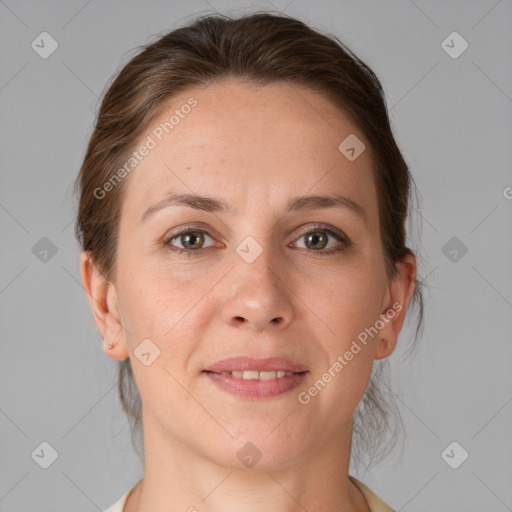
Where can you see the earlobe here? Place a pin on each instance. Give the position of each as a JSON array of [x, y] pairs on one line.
[[102, 298], [398, 296]]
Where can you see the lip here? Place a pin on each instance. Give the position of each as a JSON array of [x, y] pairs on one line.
[[244, 363], [255, 388]]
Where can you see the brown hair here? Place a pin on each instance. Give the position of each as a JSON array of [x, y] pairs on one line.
[[259, 48]]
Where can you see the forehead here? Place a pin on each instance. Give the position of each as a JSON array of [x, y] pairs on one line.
[[262, 143]]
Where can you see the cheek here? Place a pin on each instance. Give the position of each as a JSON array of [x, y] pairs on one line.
[[349, 303], [347, 299], [148, 298], [168, 310]]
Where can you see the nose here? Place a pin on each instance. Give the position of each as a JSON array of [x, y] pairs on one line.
[[259, 294]]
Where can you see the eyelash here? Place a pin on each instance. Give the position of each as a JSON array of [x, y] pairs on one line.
[[343, 239]]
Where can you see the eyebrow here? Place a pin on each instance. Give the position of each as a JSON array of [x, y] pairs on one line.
[[297, 204]]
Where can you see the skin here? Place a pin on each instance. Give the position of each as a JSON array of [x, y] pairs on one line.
[[233, 144]]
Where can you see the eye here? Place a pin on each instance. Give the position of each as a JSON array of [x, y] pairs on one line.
[[320, 239], [191, 240]]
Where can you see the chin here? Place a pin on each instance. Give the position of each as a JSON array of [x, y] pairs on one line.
[[254, 449]]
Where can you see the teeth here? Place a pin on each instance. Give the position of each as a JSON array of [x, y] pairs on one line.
[[250, 375], [257, 375], [267, 375]]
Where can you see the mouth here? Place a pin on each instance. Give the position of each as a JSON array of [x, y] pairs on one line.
[[256, 378], [258, 374]]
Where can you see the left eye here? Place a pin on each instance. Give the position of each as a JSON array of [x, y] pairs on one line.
[[319, 239]]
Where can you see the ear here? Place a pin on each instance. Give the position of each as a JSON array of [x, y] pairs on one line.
[[102, 297], [398, 296]]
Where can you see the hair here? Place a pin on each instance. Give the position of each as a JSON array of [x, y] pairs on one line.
[[260, 49]]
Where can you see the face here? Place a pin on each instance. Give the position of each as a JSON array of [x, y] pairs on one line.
[[267, 275]]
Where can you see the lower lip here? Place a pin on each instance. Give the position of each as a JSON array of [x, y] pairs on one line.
[[255, 388]]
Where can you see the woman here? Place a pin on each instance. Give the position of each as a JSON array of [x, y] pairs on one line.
[[242, 218]]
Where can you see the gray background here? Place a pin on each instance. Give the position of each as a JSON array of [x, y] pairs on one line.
[[452, 119]]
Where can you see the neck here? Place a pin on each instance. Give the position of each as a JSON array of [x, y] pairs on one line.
[[176, 477]]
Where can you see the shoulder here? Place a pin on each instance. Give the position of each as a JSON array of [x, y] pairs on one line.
[[374, 502], [119, 504]]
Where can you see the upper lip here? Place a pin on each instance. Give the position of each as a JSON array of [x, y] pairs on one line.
[[251, 363]]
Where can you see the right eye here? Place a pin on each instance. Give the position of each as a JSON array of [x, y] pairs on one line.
[[191, 240]]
